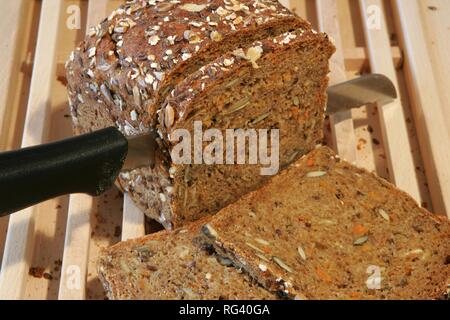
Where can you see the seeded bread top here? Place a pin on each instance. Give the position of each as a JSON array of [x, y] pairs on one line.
[[324, 229], [179, 105], [131, 59], [172, 266]]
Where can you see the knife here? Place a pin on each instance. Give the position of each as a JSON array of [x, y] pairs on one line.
[[91, 163]]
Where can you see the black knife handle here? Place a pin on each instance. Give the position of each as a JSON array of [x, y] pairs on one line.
[[88, 163]]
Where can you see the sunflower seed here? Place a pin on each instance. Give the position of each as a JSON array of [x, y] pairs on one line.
[[316, 174], [241, 104], [301, 252], [384, 214], [361, 241], [260, 118], [283, 265], [254, 247], [209, 231], [169, 116], [232, 83], [262, 257], [262, 241]]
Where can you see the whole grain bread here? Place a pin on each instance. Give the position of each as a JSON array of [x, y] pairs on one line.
[[173, 266], [144, 66], [324, 229]]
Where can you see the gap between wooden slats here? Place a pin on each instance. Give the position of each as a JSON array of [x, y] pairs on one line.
[[342, 123], [78, 231], [394, 129], [17, 255], [427, 106]]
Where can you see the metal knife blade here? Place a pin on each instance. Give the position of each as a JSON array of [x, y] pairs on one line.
[[367, 89], [141, 151], [371, 88]]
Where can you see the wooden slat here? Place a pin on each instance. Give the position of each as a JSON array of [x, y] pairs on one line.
[[78, 231], [436, 23], [133, 225], [76, 248], [392, 117], [19, 239], [427, 106], [341, 123], [10, 20]]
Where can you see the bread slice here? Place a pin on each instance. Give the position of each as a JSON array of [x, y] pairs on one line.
[[324, 229], [282, 87], [124, 71], [172, 266]]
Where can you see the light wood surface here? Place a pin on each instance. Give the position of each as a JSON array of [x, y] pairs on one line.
[[392, 117], [17, 253], [9, 33], [341, 123], [427, 105], [133, 225], [78, 234]]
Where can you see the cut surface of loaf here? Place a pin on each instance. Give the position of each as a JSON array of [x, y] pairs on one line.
[[324, 229], [146, 61], [173, 266], [282, 88]]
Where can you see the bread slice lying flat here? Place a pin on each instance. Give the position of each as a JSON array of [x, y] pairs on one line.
[[173, 266], [324, 229]]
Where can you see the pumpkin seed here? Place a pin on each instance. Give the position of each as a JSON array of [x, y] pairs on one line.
[[384, 214], [361, 241], [316, 174], [283, 265], [301, 252]]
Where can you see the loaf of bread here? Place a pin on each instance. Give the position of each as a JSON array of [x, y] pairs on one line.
[[176, 266], [324, 229], [154, 65]]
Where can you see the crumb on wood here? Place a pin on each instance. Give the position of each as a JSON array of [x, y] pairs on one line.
[[48, 276], [37, 272], [361, 143]]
